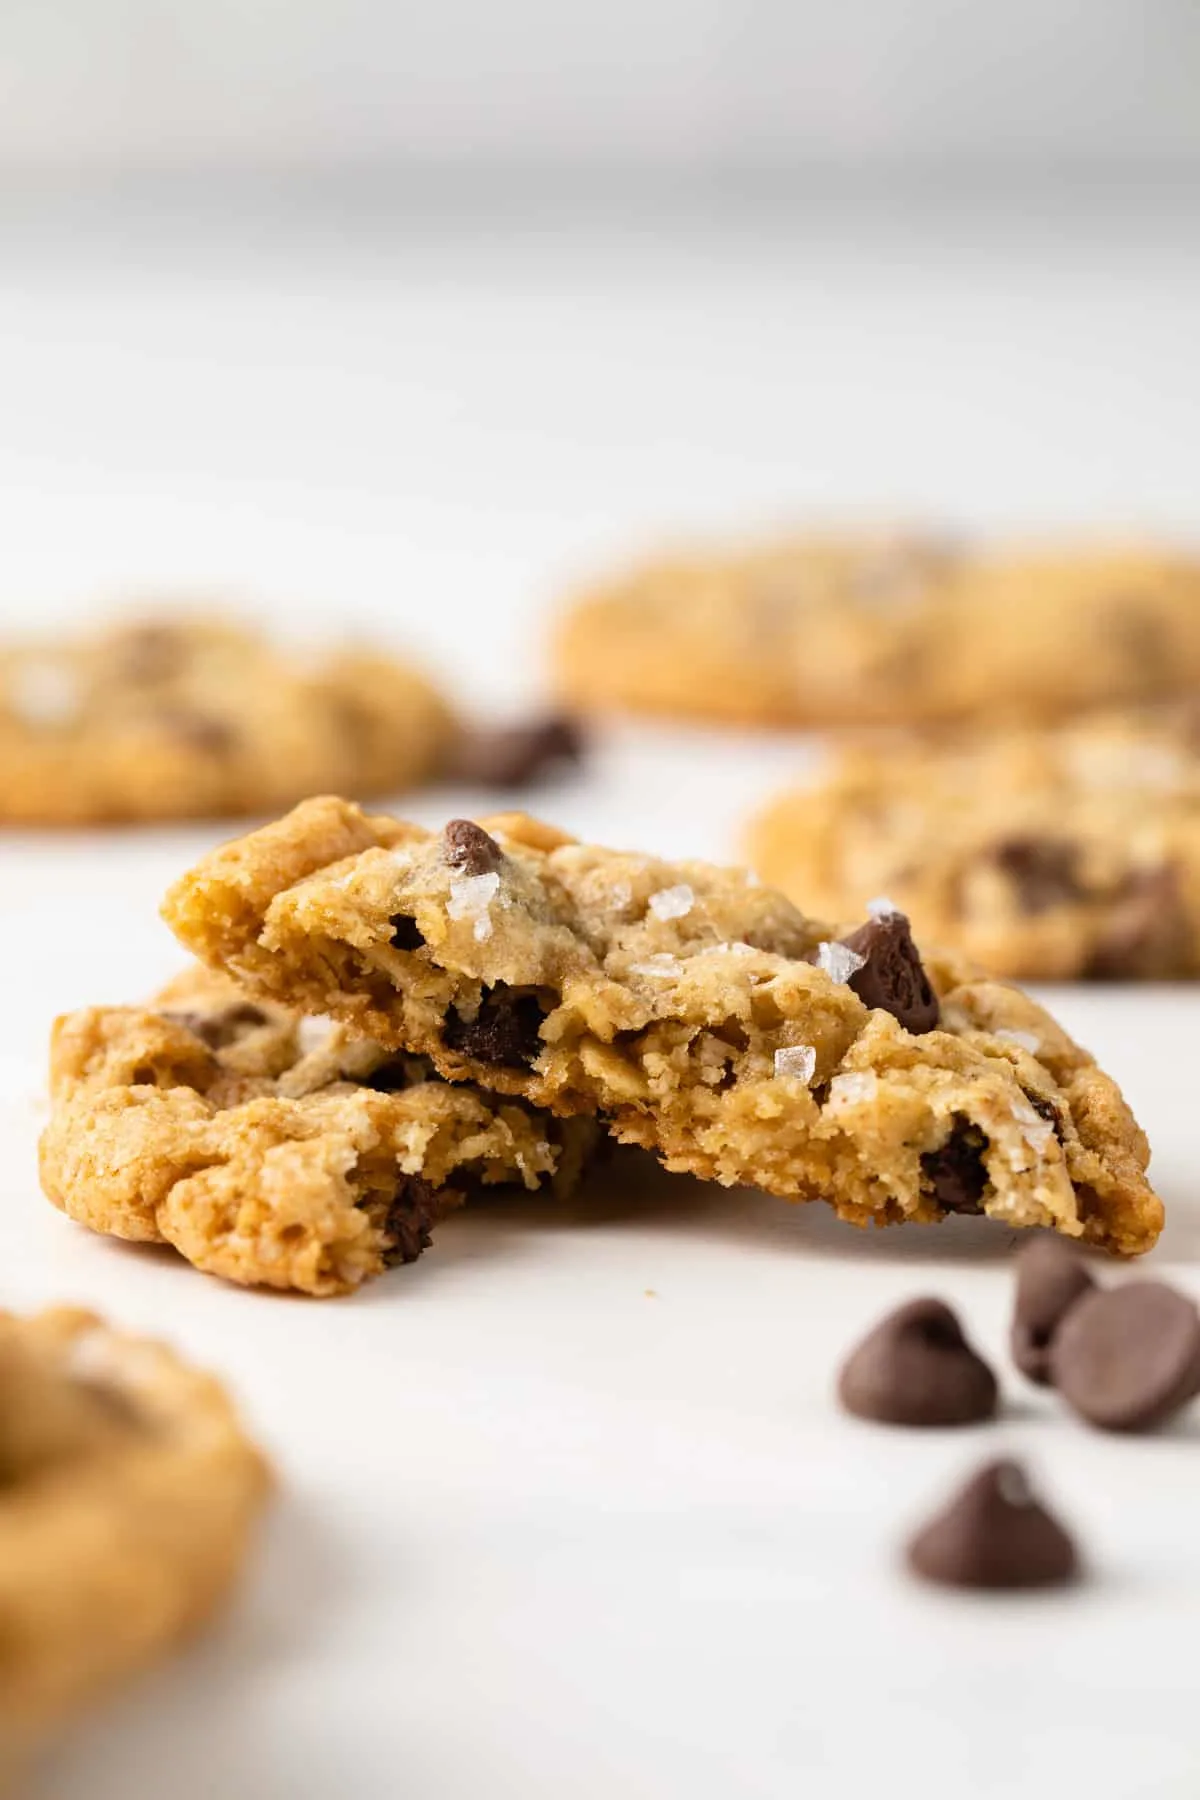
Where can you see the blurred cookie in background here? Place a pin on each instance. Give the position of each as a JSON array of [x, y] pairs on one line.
[[131, 1493], [843, 630], [186, 716], [1068, 854]]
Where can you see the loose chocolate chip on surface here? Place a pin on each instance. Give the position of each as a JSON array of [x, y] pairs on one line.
[[468, 847], [994, 1534], [410, 1219], [917, 1368], [505, 1030], [1125, 1358], [1043, 870], [516, 755], [1050, 1280], [406, 933], [893, 977], [957, 1172]]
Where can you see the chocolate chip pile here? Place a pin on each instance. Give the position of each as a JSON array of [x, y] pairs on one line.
[[1123, 1359]]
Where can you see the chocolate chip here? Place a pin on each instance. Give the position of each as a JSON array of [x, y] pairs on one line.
[[1125, 1358], [151, 653], [1043, 870], [893, 977], [220, 1029], [1050, 1279], [391, 1077], [517, 755], [410, 1218], [994, 1534], [917, 1368], [468, 847], [1147, 931], [406, 933], [200, 732], [957, 1173], [505, 1030]]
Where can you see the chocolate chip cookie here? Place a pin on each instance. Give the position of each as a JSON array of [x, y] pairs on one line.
[[169, 718], [853, 630], [698, 1013], [269, 1150], [1055, 855], [129, 1494]]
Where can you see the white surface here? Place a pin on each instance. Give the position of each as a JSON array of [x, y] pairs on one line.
[[566, 1508]]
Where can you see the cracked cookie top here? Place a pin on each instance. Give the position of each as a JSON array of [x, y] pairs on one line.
[[271, 1150], [699, 1013]]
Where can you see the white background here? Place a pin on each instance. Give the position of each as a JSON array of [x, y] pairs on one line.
[[567, 1508], [678, 86]]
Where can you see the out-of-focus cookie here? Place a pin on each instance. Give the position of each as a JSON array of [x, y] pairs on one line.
[[1054, 855], [699, 1013], [271, 1152], [833, 631], [171, 718], [129, 1494]]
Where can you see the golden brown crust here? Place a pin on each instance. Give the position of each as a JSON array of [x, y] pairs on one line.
[[661, 995]]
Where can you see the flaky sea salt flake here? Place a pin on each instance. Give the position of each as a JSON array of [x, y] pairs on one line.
[[881, 907], [1028, 1040], [798, 1062], [839, 961], [470, 898], [660, 964], [672, 902], [853, 1087]]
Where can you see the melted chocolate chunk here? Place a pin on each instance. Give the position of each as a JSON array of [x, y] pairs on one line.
[[1147, 932], [410, 1219], [468, 847], [200, 732], [1046, 1109], [406, 933], [220, 1029], [893, 977], [956, 1172], [517, 755], [1044, 871], [505, 1030]]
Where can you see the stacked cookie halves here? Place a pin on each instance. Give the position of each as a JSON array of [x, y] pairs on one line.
[[390, 1015]]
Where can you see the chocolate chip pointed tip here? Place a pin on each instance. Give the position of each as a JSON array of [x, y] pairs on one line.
[[917, 1368], [469, 848], [892, 977], [1127, 1358], [994, 1533], [1050, 1280]]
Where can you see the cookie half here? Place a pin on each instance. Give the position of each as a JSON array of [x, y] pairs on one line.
[[268, 1150]]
